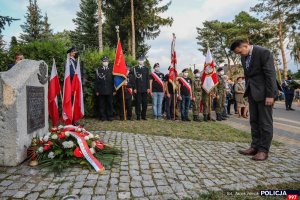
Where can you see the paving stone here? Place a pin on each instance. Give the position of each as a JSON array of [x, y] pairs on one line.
[[48, 193], [100, 190], [165, 189], [20, 194], [137, 192], [32, 196], [85, 197], [150, 191], [124, 195], [86, 190]]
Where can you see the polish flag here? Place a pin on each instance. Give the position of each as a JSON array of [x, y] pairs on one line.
[[67, 97], [209, 76], [78, 105], [53, 92]]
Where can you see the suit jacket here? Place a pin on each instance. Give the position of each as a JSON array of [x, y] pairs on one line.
[[104, 82], [141, 76], [261, 76]]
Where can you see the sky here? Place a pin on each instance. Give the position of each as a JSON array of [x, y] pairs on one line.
[[187, 15]]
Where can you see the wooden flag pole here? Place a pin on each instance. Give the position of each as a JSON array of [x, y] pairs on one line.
[[209, 107], [174, 99], [124, 108]]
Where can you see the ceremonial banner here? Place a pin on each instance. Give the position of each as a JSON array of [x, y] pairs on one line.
[[53, 91], [209, 76], [67, 96], [172, 71], [119, 70], [78, 104]]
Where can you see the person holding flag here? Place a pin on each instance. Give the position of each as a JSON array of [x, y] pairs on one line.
[[78, 104], [185, 94], [142, 88], [104, 89], [197, 91], [171, 93], [72, 53], [157, 91], [209, 81], [53, 91]]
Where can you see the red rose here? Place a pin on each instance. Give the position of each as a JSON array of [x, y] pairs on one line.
[[99, 145], [78, 153], [49, 143], [61, 135], [46, 147]]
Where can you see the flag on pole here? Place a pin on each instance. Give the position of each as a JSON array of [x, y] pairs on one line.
[[172, 71], [67, 96], [209, 76], [78, 104], [119, 70], [53, 91]]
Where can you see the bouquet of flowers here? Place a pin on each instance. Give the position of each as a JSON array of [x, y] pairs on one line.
[[69, 145]]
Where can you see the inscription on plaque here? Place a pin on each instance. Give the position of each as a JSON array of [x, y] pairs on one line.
[[35, 108]]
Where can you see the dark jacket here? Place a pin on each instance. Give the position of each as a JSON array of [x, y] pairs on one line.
[[261, 76], [104, 82], [141, 77], [73, 65]]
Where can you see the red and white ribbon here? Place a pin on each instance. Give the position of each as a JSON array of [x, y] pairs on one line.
[[186, 84], [158, 79]]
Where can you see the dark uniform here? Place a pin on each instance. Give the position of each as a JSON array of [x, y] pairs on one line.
[[141, 80], [197, 92], [104, 85], [72, 63], [170, 100], [221, 93], [128, 91], [289, 92], [186, 98]]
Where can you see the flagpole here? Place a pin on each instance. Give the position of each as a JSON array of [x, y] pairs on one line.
[[123, 95], [174, 84]]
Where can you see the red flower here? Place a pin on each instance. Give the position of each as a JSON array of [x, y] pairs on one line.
[[99, 145], [78, 153], [54, 129], [46, 147], [41, 141], [49, 143], [61, 135]]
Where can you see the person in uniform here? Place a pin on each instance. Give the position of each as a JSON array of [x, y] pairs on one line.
[[72, 61], [197, 91], [289, 92], [220, 95], [142, 88], [157, 89], [128, 92], [171, 95], [185, 94], [104, 89]]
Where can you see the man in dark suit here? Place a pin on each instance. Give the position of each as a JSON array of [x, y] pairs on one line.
[[142, 88], [104, 89], [261, 89]]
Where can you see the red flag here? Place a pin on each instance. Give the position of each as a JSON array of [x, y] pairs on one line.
[[209, 77], [119, 70], [78, 105], [53, 92], [172, 71], [67, 97]]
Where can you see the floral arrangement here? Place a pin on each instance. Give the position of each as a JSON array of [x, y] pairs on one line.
[[70, 145]]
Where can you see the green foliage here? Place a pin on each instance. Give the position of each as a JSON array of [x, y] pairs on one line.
[[5, 20], [47, 31], [148, 20], [296, 75], [33, 26], [92, 60], [85, 35]]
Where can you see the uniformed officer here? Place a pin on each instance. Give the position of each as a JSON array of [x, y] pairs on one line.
[[142, 88], [171, 96], [185, 94], [104, 89], [220, 95], [128, 92], [72, 60], [197, 91]]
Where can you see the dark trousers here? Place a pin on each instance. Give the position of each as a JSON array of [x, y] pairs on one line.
[[289, 100], [105, 103], [170, 106], [141, 99], [185, 105], [261, 121], [128, 108]]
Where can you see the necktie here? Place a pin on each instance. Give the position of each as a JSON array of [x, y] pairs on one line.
[[248, 59]]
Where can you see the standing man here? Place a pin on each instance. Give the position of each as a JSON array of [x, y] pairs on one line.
[[197, 91], [18, 58], [259, 70], [185, 94], [220, 95], [104, 89], [157, 91], [171, 96], [289, 92], [72, 60], [141, 78]]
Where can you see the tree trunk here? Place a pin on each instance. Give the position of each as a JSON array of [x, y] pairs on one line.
[[281, 40], [132, 30], [100, 36], [129, 44]]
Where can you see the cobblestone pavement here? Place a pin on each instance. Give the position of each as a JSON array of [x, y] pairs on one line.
[[154, 167]]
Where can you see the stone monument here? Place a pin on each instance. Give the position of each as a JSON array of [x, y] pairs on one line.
[[23, 109]]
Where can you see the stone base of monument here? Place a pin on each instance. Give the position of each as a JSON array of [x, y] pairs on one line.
[[23, 109]]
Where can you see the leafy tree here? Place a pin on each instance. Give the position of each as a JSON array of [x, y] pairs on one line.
[[47, 31], [86, 32], [33, 27]]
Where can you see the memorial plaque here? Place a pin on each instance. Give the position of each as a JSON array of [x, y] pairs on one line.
[[35, 108]]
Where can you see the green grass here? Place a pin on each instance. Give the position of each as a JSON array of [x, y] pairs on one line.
[[213, 131], [224, 194]]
